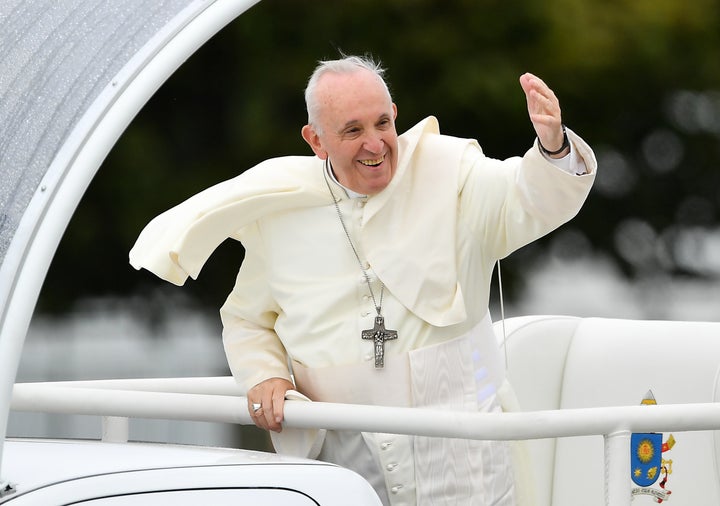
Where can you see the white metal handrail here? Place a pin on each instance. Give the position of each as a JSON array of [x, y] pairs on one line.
[[217, 400], [213, 407]]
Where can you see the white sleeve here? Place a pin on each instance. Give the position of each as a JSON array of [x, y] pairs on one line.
[[253, 349]]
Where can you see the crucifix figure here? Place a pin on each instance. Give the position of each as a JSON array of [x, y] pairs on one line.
[[379, 335]]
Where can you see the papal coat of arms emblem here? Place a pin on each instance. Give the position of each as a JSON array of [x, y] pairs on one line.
[[647, 465]]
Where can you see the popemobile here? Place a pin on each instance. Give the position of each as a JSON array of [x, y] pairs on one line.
[[600, 419]]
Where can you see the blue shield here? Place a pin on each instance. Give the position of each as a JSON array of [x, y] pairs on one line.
[[645, 458]]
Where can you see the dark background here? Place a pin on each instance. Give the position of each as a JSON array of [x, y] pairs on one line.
[[638, 79]]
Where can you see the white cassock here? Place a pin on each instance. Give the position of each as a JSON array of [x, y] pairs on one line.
[[431, 239]]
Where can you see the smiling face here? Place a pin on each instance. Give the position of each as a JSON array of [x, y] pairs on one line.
[[355, 129]]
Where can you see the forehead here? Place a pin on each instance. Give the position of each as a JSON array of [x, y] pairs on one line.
[[342, 96]]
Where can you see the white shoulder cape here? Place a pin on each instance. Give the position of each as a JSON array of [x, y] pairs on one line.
[[422, 196]]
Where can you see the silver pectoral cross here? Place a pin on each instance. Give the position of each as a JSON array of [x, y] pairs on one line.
[[379, 335]]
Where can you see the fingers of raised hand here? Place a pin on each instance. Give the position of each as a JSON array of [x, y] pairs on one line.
[[544, 104], [541, 99]]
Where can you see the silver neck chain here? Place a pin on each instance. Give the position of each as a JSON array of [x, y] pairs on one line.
[[378, 307]]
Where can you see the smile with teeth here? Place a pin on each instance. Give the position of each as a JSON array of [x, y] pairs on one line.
[[372, 163]]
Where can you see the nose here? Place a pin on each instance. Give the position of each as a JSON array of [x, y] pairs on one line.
[[374, 143]]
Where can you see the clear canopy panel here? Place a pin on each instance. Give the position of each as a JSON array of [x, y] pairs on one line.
[[56, 57]]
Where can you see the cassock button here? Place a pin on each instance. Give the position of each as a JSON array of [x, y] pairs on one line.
[[395, 489], [369, 357], [391, 467], [385, 445]]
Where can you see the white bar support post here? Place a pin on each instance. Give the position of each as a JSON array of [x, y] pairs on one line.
[[115, 429], [617, 469]]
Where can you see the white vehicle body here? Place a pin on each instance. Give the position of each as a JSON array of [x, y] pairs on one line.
[[94, 473]]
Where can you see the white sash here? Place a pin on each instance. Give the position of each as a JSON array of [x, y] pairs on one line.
[[461, 374]]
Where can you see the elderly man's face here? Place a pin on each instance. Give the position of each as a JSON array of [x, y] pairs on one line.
[[356, 130]]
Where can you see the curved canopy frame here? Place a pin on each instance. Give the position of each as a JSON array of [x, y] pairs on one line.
[[73, 74]]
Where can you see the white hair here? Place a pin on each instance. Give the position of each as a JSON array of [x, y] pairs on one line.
[[344, 65]]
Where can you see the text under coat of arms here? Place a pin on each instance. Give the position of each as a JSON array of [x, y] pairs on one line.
[[647, 465]]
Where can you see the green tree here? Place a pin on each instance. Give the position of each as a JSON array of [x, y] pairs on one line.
[[639, 79]]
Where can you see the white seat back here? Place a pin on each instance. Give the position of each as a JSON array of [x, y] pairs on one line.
[[557, 362]]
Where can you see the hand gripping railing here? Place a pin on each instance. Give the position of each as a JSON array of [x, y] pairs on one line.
[[216, 400]]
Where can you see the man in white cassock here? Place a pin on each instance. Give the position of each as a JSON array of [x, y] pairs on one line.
[[367, 272]]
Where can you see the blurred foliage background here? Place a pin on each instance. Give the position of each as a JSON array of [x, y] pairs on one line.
[[638, 79]]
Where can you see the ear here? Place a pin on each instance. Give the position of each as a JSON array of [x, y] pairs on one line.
[[313, 139], [394, 108]]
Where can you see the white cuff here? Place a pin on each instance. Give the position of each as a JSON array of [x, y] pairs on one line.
[[570, 163], [304, 443]]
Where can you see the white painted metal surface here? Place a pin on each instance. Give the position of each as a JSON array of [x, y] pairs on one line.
[[139, 403], [68, 472], [617, 468], [215, 399], [29, 246]]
